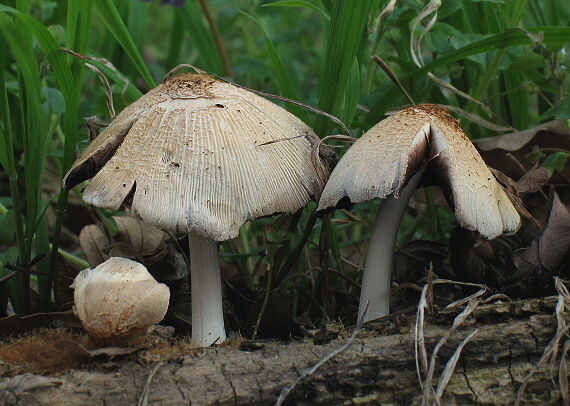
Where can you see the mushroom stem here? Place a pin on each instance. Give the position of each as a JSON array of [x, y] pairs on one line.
[[375, 293], [206, 285]]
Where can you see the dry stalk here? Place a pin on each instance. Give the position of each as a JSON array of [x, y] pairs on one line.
[[551, 350], [427, 369], [143, 400], [309, 371]]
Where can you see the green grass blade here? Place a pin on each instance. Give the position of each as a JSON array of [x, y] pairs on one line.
[[517, 99], [14, 285], [175, 41], [7, 154], [346, 31], [79, 18], [110, 16], [350, 100], [201, 38], [285, 82], [298, 3], [553, 36], [63, 76], [33, 136]]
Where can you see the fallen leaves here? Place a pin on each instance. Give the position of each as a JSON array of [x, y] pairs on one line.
[[548, 255]]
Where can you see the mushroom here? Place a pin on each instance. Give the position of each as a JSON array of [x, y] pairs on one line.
[[420, 143], [118, 300], [202, 156]]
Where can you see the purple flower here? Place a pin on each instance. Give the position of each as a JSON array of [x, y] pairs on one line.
[[174, 3]]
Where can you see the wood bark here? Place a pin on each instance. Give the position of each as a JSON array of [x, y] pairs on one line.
[[378, 367]]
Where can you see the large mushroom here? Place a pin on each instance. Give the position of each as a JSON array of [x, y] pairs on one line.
[[201, 156], [423, 143]]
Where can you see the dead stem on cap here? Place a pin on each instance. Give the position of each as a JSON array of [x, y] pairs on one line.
[[294, 102], [183, 65]]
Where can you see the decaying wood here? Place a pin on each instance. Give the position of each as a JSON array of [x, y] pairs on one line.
[[379, 367]]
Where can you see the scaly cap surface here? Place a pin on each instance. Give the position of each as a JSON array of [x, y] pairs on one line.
[[382, 161]]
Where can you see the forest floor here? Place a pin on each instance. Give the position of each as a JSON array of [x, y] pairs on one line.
[[479, 354]]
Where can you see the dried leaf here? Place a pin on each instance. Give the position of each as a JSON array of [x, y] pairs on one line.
[[553, 134], [516, 140], [510, 188], [63, 275], [94, 244], [533, 181], [134, 239], [544, 257], [143, 237]]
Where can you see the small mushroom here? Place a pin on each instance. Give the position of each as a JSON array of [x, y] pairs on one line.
[[202, 156], [118, 300], [423, 143]]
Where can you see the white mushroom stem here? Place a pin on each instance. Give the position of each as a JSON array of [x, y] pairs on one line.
[[206, 285], [375, 293]]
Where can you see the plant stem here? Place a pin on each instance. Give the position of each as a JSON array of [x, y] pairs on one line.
[[379, 260], [217, 38], [206, 286]]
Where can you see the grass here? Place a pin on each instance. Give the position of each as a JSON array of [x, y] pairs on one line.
[[506, 55]]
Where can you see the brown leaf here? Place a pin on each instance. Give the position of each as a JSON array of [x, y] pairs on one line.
[[143, 237], [134, 238], [517, 140], [63, 275], [553, 134], [544, 257], [94, 244], [533, 181]]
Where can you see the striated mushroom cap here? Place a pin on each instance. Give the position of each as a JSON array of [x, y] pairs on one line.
[[201, 155], [383, 160], [117, 300]]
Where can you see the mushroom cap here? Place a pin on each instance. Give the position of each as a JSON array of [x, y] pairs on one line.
[[201, 155], [118, 299], [383, 160]]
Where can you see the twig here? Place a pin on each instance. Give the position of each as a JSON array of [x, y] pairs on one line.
[[309, 371], [108, 91], [393, 77], [8, 277], [143, 400], [18, 269], [294, 102], [427, 368]]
